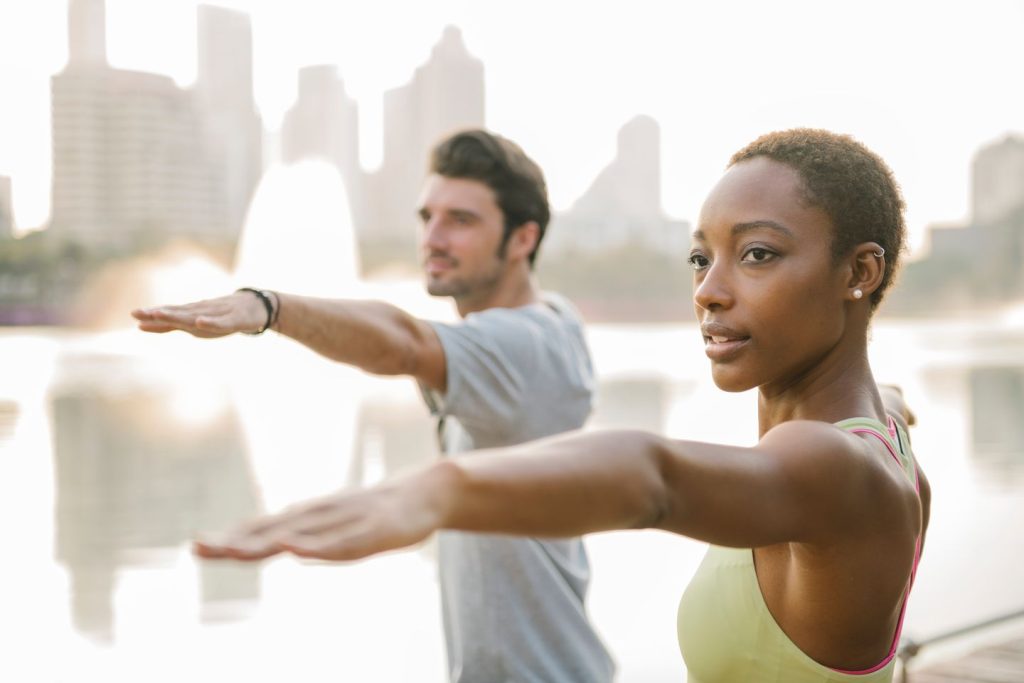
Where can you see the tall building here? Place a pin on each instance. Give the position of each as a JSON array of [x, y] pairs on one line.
[[976, 264], [623, 204], [998, 180], [324, 124], [135, 156], [233, 130], [6, 209], [87, 33], [446, 93], [127, 159]]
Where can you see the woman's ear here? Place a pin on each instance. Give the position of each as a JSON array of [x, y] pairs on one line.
[[867, 270]]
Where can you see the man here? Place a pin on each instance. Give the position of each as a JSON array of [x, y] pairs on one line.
[[516, 368]]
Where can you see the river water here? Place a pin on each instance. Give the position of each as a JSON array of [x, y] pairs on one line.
[[115, 448]]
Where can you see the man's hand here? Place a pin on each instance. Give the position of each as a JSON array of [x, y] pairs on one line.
[[238, 312], [348, 525]]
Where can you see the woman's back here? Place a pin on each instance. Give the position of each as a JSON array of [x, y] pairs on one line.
[[739, 612]]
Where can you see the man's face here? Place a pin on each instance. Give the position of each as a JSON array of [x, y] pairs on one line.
[[461, 237]]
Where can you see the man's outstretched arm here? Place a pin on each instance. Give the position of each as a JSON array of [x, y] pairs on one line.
[[374, 336]]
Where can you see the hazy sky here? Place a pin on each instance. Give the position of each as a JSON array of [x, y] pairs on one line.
[[923, 83]]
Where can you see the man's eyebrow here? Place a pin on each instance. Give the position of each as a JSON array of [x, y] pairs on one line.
[[740, 228], [424, 212]]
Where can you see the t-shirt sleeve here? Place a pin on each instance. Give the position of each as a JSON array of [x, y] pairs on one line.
[[490, 357]]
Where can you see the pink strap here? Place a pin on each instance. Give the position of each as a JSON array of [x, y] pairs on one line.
[[917, 551]]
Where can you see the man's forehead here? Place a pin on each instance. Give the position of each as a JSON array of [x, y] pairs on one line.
[[447, 192]]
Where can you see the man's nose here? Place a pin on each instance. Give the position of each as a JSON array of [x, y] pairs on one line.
[[434, 237]]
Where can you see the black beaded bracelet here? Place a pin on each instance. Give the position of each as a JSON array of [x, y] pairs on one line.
[[264, 297]]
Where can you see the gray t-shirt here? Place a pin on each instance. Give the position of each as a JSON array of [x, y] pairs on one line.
[[514, 607]]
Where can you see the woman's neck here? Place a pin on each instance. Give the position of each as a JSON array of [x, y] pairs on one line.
[[837, 388]]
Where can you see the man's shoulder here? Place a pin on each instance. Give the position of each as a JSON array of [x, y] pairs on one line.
[[550, 309]]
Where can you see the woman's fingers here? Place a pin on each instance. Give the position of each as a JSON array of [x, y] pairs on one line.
[[351, 542], [345, 526], [262, 537]]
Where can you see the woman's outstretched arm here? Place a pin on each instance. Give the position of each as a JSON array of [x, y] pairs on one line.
[[803, 481]]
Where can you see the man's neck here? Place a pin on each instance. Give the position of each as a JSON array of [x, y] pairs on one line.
[[521, 292]]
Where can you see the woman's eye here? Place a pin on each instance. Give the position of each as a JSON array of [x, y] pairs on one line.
[[698, 261], [758, 255]]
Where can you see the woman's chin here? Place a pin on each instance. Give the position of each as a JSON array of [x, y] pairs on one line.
[[732, 382]]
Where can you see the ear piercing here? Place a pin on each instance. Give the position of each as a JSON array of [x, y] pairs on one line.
[[859, 293]]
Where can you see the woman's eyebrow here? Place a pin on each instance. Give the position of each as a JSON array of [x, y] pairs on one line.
[[740, 228]]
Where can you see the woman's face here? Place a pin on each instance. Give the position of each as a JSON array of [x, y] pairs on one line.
[[768, 296]]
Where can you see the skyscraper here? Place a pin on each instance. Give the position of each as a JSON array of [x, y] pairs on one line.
[[87, 33], [135, 156], [998, 179], [446, 93], [224, 90], [623, 204], [324, 124], [6, 210]]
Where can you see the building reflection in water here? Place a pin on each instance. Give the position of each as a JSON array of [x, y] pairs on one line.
[[129, 482], [631, 403], [997, 421], [391, 436], [8, 419], [395, 434]]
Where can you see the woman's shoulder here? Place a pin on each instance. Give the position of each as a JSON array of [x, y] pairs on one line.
[[839, 460]]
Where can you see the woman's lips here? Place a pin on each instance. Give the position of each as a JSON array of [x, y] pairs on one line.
[[724, 349], [721, 342]]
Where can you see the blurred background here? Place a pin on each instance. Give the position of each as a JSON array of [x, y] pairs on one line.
[[157, 151]]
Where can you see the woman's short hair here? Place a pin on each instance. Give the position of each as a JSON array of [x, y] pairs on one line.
[[849, 182]]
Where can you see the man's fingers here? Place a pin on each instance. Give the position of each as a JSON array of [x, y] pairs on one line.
[[248, 549], [207, 318], [218, 324], [156, 327]]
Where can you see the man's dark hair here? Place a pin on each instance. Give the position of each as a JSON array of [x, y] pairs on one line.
[[849, 182], [517, 182]]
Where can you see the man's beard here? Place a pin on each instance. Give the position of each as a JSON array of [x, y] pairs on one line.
[[461, 287]]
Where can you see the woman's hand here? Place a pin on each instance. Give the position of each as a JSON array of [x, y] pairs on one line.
[[347, 525]]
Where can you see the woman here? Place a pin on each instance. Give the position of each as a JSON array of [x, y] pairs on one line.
[[815, 531]]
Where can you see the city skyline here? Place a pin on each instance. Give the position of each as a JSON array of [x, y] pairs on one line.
[[135, 156], [927, 113]]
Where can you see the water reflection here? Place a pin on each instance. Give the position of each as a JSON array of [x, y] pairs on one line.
[[631, 403], [997, 421], [116, 451], [8, 419], [391, 436], [129, 482]]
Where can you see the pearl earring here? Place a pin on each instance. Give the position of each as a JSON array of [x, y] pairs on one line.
[[857, 293]]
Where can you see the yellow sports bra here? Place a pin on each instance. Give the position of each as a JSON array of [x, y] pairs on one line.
[[728, 635]]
